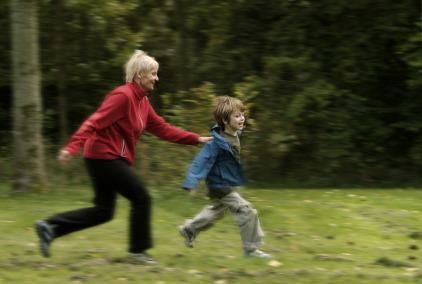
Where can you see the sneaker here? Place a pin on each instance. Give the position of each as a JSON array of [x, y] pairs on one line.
[[257, 253], [46, 235], [145, 257], [189, 237]]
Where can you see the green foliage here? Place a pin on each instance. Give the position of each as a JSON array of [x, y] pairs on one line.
[[163, 162], [332, 88], [88, 43]]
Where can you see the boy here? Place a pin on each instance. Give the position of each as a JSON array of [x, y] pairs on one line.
[[219, 161]]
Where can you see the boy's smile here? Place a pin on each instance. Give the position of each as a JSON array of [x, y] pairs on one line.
[[237, 119]]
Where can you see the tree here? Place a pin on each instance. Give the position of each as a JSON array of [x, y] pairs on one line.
[[27, 117]]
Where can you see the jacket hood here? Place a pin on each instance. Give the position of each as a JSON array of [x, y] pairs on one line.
[[220, 168], [215, 132]]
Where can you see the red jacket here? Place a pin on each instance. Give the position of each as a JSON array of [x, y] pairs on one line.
[[114, 129]]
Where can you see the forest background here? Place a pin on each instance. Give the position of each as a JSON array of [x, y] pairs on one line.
[[333, 89]]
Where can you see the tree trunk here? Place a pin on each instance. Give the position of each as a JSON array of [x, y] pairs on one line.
[[61, 65], [29, 172], [184, 77]]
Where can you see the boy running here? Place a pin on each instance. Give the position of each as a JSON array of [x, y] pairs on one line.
[[219, 161]]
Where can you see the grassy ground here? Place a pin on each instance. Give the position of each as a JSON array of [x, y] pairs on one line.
[[316, 236]]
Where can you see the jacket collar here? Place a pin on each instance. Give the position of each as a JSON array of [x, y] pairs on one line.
[[215, 132], [216, 129], [137, 90]]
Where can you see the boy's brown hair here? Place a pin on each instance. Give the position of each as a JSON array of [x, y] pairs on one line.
[[224, 108]]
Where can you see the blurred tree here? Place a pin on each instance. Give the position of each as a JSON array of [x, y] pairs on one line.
[[339, 73], [85, 45], [332, 86], [59, 53], [28, 160], [5, 81]]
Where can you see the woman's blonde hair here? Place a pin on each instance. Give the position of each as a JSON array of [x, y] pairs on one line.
[[224, 108], [139, 62]]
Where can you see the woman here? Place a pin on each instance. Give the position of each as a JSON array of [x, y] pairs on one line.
[[109, 137]]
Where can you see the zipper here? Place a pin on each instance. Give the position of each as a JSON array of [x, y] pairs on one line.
[[122, 154], [140, 118]]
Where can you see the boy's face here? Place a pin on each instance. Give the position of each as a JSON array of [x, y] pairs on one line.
[[237, 119]]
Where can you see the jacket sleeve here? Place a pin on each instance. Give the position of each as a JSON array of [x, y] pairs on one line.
[[112, 109], [157, 126], [201, 165]]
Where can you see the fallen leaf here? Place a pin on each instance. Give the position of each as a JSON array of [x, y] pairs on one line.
[[294, 248], [274, 263]]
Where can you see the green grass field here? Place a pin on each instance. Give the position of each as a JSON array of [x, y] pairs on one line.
[[315, 235]]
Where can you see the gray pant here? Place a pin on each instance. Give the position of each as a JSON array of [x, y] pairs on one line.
[[245, 216]]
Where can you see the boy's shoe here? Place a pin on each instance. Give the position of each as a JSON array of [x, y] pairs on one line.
[[46, 235], [145, 257], [189, 237], [257, 253]]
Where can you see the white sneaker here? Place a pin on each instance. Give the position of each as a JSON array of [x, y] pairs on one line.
[[145, 257], [257, 253], [189, 237]]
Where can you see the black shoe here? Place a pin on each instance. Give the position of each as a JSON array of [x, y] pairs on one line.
[[145, 257], [46, 236]]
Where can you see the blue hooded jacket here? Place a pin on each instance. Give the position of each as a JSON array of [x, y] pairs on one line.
[[217, 162]]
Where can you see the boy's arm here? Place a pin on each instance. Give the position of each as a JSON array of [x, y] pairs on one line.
[[200, 166]]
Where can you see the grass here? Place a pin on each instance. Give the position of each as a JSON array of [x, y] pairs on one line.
[[315, 235]]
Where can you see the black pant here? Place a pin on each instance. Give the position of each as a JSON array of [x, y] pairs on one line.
[[110, 177]]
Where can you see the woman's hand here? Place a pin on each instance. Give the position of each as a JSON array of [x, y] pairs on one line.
[[204, 139], [64, 157]]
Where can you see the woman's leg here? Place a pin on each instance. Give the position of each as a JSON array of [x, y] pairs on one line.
[[125, 182], [104, 202]]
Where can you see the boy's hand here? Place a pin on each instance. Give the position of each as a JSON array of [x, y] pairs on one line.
[[192, 192]]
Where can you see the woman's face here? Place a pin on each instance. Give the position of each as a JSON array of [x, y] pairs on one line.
[[148, 80]]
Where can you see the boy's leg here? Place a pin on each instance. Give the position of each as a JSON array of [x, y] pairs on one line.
[[247, 221], [206, 218]]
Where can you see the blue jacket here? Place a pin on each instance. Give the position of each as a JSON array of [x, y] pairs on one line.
[[216, 161]]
